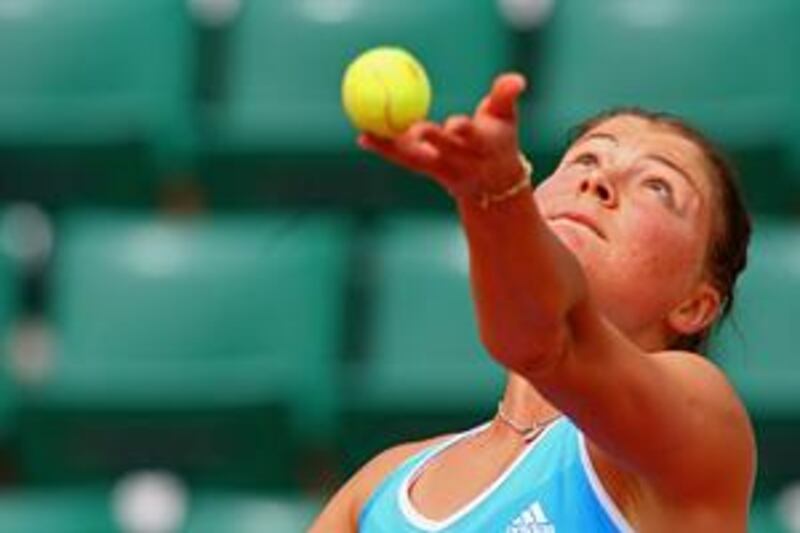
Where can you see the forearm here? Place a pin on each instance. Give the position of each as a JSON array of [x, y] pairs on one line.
[[524, 281]]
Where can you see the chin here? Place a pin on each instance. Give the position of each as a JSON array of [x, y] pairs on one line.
[[574, 238]]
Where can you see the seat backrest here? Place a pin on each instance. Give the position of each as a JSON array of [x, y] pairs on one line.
[[725, 66], [758, 346], [286, 60], [86, 70], [69, 510], [10, 278], [145, 302], [10, 295], [424, 338]]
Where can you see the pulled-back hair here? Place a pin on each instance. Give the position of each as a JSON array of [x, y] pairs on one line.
[[727, 254]]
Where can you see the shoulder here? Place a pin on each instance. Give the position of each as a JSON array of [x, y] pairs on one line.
[[718, 443], [383, 464], [719, 403], [719, 428], [343, 510]]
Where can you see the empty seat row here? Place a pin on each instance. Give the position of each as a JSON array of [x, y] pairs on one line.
[[194, 342], [151, 501], [246, 99], [113, 94], [219, 345]]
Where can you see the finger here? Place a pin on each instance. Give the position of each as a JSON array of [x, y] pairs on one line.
[[427, 135], [455, 162], [444, 142], [371, 142], [410, 151], [502, 100], [457, 124], [461, 127], [379, 145], [482, 107], [418, 156], [414, 142]]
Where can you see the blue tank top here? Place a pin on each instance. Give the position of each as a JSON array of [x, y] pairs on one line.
[[551, 487]]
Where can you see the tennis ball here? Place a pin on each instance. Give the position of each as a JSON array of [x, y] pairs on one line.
[[385, 90]]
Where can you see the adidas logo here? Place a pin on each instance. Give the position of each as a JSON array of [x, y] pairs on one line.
[[532, 520]]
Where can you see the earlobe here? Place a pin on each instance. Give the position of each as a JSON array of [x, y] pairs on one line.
[[697, 312]]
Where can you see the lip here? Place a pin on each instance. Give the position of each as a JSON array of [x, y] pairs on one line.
[[583, 220]]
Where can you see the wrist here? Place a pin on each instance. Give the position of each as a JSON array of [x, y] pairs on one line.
[[485, 199]]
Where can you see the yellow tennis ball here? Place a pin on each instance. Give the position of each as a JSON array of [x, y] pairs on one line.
[[385, 90]]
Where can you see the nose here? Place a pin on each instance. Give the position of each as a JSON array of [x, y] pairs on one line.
[[600, 187]]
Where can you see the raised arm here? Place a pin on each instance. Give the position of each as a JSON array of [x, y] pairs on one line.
[[669, 418]]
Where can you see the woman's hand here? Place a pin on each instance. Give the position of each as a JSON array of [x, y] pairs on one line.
[[467, 156]]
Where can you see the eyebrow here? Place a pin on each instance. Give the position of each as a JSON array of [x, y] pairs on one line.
[[599, 136], [674, 166], [654, 157]]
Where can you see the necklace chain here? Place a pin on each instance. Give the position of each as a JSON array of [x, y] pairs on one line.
[[528, 433]]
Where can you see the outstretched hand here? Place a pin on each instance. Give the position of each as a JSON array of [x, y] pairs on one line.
[[466, 155]]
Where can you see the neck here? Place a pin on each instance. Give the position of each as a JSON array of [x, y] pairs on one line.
[[524, 404]]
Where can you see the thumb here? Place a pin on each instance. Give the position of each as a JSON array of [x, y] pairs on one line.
[[502, 99]]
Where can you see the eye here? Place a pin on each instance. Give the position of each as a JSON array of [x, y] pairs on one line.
[[585, 159], [661, 188]]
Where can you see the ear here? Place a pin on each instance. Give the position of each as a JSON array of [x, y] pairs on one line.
[[696, 312]]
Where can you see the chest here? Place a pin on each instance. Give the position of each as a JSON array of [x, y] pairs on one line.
[[460, 475], [541, 489]]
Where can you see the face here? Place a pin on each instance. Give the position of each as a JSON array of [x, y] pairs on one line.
[[633, 201]]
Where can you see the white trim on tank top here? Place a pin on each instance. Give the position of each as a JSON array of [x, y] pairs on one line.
[[424, 523], [612, 511]]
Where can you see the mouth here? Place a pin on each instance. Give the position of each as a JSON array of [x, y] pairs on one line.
[[582, 220]]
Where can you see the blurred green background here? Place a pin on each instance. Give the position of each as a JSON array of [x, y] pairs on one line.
[[214, 308]]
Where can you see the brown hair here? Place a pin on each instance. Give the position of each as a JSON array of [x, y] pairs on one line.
[[727, 254]]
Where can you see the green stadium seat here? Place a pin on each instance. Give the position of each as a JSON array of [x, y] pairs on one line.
[[10, 296], [220, 512], [204, 344], [94, 97], [100, 510], [62, 510], [796, 136], [424, 370], [727, 68], [764, 517], [279, 118], [757, 347], [10, 280]]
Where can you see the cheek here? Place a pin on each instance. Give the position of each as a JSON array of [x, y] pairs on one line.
[[542, 192], [549, 191], [556, 184], [643, 275], [661, 249]]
